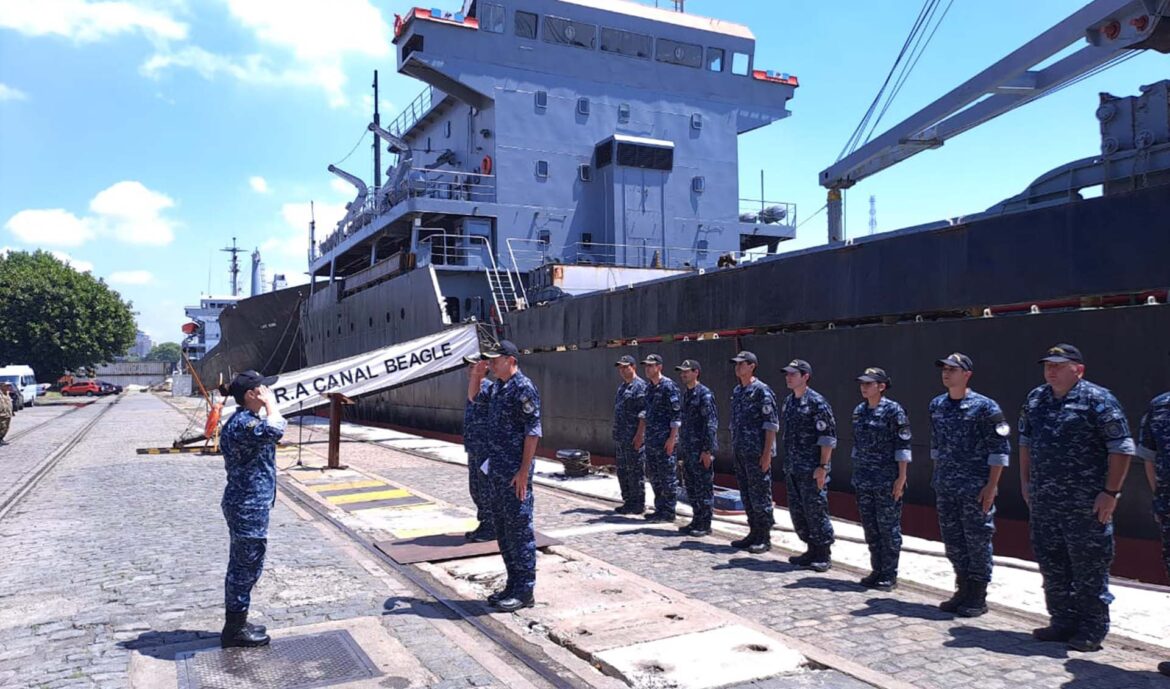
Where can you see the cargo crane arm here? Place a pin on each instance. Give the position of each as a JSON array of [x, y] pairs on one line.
[[353, 208], [1113, 29]]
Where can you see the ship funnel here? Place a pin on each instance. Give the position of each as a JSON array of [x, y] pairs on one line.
[[257, 280]]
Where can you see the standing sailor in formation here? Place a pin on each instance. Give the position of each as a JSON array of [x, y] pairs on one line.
[[754, 423], [1153, 448], [809, 434], [663, 418], [629, 433], [475, 418], [697, 446]]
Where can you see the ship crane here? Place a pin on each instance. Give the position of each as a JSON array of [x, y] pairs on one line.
[[394, 175], [1113, 29], [353, 208]]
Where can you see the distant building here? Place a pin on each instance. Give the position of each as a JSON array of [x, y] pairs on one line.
[[142, 345], [207, 315]]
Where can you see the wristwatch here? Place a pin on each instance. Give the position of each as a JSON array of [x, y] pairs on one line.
[[1111, 493], [826, 467]]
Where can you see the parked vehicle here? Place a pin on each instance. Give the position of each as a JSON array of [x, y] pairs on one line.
[[109, 388], [24, 379], [17, 399], [88, 388]]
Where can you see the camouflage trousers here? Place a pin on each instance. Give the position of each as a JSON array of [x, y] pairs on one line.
[[1074, 551], [1164, 527], [966, 533], [755, 489], [515, 531], [4, 421], [631, 474], [881, 519], [700, 483], [248, 528], [809, 507], [481, 494], [663, 476]]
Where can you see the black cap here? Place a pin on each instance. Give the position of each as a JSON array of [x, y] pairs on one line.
[[745, 356], [248, 380], [652, 359], [1061, 353], [689, 365], [956, 360], [798, 366], [504, 348], [473, 359], [625, 360], [874, 375]]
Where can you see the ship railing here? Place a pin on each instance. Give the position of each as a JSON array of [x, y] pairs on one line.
[[475, 252], [767, 212], [529, 254], [414, 112]]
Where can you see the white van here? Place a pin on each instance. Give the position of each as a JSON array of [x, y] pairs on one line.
[[23, 379]]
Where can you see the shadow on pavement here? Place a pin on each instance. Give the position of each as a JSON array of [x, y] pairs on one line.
[[166, 645], [702, 546], [1005, 642], [752, 564], [842, 585], [432, 610], [901, 608], [1089, 674]]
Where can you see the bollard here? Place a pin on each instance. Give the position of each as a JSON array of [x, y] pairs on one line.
[[336, 401]]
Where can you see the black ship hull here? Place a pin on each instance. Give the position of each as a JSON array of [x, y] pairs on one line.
[[257, 333]]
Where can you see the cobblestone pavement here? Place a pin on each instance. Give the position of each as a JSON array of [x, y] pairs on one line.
[[114, 551], [20, 456], [901, 634]]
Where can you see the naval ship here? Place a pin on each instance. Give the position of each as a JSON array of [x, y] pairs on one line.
[[569, 176]]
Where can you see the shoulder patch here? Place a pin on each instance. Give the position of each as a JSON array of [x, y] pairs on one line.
[[904, 432], [821, 425], [767, 408], [1114, 430]]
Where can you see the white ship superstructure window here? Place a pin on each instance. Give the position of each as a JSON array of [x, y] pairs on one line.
[[569, 32], [526, 24], [676, 53], [740, 64], [491, 17], [626, 43]]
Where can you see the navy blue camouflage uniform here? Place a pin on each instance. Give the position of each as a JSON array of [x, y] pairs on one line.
[[1154, 446], [968, 436], [663, 413], [513, 415], [475, 421], [248, 443], [807, 425], [629, 407], [753, 413], [700, 423], [1070, 440], [881, 440]]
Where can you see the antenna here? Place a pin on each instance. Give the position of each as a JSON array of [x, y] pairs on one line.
[[872, 213], [235, 266], [312, 231], [377, 141]]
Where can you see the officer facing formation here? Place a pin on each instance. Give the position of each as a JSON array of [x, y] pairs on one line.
[[629, 432], [475, 419], [881, 453], [754, 423], [809, 434], [1074, 453], [663, 418], [514, 430], [969, 446], [697, 446], [1153, 448], [248, 442]]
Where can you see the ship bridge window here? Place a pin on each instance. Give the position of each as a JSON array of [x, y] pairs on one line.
[[491, 17], [525, 24], [715, 59], [569, 32], [740, 64], [645, 157], [626, 43], [687, 54]]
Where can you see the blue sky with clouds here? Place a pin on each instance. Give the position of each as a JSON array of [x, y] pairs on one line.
[[137, 137]]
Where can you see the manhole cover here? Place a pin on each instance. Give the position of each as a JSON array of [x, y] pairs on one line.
[[298, 662]]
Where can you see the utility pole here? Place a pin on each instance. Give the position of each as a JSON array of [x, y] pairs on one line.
[[235, 270], [872, 213]]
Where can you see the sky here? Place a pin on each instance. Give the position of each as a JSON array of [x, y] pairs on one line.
[[138, 137]]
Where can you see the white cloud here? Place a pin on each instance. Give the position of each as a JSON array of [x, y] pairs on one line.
[[385, 107], [87, 22], [78, 265], [258, 184], [51, 227], [131, 277], [127, 211], [9, 93], [294, 243], [133, 214], [342, 187]]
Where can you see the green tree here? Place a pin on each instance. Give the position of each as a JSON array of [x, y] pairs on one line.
[[164, 351], [56, 319]]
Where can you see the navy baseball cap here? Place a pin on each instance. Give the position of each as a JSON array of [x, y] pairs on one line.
[[956, 360], [745, 356], [652, 359], [689, 365], [473, 359], [798, 366], [504, 348], [874, 375], [248, 380], [625, 360], [1062, 353]]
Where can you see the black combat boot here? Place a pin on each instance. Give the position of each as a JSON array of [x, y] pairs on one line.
[[500, 595], [820, 558], [763, 542], [237, 632], [803, 559], [975, 604], [747, 540], [952, 604], [1052, 633]]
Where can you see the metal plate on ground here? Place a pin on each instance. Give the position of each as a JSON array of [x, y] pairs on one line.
[[439, 547], [297, 662]]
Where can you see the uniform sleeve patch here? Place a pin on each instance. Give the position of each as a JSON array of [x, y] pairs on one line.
[[821, 425], [767, 408], [904, 432], [1114, 430], [1002, 429]]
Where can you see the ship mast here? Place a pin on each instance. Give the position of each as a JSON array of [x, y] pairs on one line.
[[377, 142], [235, 269]]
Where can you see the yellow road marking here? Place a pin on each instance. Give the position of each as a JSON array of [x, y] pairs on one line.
[[368, 497], [346, 486], [444, 527]]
